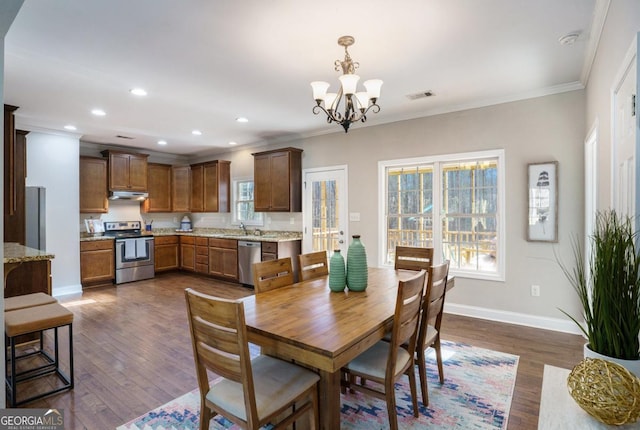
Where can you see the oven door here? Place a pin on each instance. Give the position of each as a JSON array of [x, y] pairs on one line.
[[134, 252]]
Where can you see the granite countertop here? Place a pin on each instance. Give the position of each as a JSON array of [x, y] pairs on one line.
[[267, 236], [16, 253]]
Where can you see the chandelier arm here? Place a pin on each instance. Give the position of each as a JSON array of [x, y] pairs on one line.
[[362, 116], [331, 117]]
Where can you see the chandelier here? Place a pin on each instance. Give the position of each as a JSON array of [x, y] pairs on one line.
[[356, 104]]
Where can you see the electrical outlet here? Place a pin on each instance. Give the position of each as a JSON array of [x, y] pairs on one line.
[[535, 290]]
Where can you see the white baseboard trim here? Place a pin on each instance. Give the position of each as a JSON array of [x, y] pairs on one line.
[[547, 323], [66, 290]]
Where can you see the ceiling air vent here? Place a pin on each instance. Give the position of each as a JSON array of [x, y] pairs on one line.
[[119, 136], [422, 95]]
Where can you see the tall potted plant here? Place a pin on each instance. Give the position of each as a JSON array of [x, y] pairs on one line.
[[610, 291]]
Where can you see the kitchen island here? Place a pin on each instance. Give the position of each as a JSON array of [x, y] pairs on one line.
[[26, 270]]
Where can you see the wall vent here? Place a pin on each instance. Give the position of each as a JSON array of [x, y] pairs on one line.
[[421, 95]]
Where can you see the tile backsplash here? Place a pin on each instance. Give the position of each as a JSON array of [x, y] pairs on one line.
[[130, 211]]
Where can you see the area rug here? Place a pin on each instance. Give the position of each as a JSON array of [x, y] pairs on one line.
[[476, 395]]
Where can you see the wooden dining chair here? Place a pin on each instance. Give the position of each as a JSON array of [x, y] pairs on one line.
[[412, 258], [430, 323], [313, 265], [250, 393], [271, 274], [386, 362]]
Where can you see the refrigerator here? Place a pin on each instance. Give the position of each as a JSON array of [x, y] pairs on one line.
[[35, 217]]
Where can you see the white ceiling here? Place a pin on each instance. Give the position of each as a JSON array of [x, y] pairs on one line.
[[205, 63]]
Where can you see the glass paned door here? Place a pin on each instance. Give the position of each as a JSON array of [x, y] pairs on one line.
[[325, 210]]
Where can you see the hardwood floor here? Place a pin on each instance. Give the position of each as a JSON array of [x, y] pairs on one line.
[[133, 353]]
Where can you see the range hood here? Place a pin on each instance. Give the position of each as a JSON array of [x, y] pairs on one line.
[[128, 195]]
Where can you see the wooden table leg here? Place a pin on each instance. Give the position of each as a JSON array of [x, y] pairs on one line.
[[329, 400]]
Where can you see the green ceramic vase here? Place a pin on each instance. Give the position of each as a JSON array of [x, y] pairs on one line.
[[337, 272], [356, 265]]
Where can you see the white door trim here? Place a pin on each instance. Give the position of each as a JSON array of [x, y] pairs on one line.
[[590, 189], [306, 204], [628, 61]]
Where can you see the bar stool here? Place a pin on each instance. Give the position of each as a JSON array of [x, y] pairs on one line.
[[26, 321], [27, 301]]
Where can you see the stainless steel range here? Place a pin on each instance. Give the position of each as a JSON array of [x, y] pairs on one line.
[[133, 251]]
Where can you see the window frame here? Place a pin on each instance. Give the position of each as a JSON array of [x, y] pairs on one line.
[[437, 161], [234, 207]]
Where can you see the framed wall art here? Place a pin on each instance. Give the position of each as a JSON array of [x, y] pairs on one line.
[[542, 222]]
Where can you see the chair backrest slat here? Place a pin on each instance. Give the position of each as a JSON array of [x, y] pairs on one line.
[[412, 258], [313, 265], [272, 274], [220, 343], [406, 316], [433, 305]]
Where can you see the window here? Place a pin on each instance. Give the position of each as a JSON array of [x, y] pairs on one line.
[[451, 203], [243, 208]]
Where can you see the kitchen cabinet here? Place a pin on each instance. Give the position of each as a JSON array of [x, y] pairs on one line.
[[202, 255], [127, 171], [180, 188], [166, 251], [289, 248], [29, 277], [223, 258], [159, 188], [15, 172], [277, 177], [211, 186], [97, 262], [188, 253], [93, 185]]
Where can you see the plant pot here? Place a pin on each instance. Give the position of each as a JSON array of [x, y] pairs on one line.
[[632, 366]]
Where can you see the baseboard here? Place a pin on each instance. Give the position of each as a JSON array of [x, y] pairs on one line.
[[66, 290], [555, 324]]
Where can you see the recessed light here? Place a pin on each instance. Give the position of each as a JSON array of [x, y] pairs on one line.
[[162, 142], [138, 91], [70, 127], [242, 119], [196, 133], [232, 143], [98, 112]]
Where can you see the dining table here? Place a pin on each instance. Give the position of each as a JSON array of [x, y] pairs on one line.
[[324, 330]]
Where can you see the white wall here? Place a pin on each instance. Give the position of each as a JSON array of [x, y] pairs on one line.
[[621, 27], [53, 163], [536, 130]]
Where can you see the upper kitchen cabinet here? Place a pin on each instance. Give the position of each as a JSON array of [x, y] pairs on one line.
[[15, 171], [277, 177], [211, 186], [180, 188], [93, 185], [159, 188], [127, 171]]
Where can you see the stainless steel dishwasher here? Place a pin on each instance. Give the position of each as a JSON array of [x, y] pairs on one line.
[[249, 252]]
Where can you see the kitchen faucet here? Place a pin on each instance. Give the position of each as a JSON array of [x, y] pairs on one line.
[[244, 229]]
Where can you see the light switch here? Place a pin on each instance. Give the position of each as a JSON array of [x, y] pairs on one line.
[[354, 216]]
